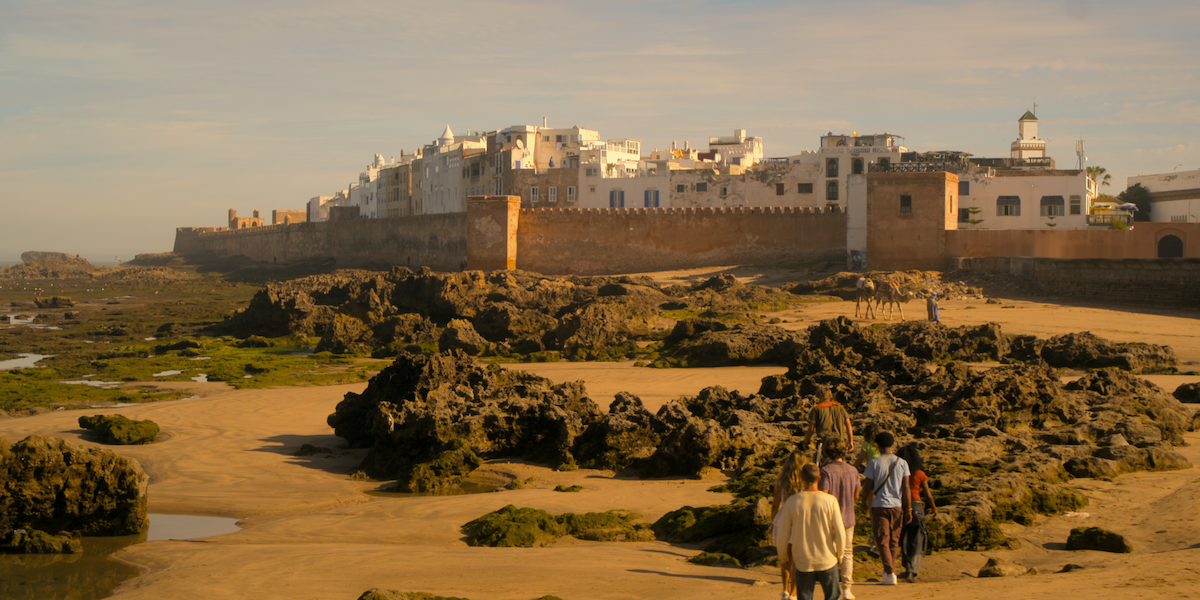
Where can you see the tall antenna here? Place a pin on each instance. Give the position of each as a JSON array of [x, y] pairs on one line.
[[1079, 153]]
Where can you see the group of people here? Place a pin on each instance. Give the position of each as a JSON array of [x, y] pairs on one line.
[[814, 502]]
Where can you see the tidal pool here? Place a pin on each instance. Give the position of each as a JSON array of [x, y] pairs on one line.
[[92, 575], [26, 360]]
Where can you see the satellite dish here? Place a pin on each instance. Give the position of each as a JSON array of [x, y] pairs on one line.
[[520, 144]]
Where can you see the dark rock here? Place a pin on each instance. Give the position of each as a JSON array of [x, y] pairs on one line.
[[54, 302], [51, 485], [120, 430], [253, 341], [1067, 568], [32, 541], [344, 335], [1087, 351], [996, 567], [1092, 466], [715, 559], [1188, 392], [708, 342], [180, 345], [527, 527], [621, 438], [378, 594], [738, 530], [460, 335], [1096, 538]]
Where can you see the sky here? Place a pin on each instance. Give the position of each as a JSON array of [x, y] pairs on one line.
[[121, 120]]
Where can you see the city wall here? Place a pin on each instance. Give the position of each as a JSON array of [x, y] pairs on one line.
[[437, 241], [631, 240], [496, 233], [1140, 242], [1163, 282]]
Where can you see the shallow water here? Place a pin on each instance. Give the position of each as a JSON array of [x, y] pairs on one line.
[[92, 575], [26, 360]]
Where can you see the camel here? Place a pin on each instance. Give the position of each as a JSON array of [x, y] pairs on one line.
[[865, 291], [891, 295]]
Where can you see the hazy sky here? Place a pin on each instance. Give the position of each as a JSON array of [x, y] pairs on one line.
[[121, 120]]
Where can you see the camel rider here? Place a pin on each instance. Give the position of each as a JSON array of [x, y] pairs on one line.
[[829, 419]]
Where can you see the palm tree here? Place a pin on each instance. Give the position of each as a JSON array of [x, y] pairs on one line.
[[1099, 176]]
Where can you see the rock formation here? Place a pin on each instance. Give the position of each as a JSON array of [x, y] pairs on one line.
[[51, 485], [120, 430]]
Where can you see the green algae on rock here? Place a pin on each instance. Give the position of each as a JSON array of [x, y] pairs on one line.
[[511, 526], [1098, 538], [120, 430]]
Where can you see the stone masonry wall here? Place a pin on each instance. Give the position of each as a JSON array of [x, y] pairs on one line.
[[1163, 282], [437, 241], [632, 240]]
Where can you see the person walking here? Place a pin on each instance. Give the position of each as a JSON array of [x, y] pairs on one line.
[[931, 307], [787, 483], [812, 537], [840, 480], [887, 497], [912, 536], [828, 419]]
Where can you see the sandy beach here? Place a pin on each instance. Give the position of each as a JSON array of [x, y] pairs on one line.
[[312, 532]]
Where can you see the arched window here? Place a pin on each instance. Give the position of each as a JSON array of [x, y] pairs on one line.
[[1170, 246], [831, 167], [857, 167], [831, 190], [884, 163]]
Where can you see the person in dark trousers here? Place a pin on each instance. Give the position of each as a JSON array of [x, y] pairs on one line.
[[887, 497], [840, 480], [912, 536], [811, 537]]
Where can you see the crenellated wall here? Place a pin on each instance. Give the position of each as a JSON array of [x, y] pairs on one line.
[[437, 241], [630, 240], [550, 240]]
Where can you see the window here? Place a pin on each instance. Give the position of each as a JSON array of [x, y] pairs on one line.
[[533, 195], [592, 189], [545, 138], [616, 199], [651, 198], [964, 215], [804, 188], [560, 138], [884, 164], [831, 190], [1008, 206], [737, 161], [702, 187], [681, 188], [571, 195], [779, 189], [724, 192], [1052, 206], [906, 204], [964, 188], [499, 166], [590, 172], [831, 167], [552, 194], [1076, 205], [499, 187], [857, 166]]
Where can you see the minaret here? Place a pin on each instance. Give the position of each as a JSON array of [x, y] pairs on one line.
[[1028, 145]]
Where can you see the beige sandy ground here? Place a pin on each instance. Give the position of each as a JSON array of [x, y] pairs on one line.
[[311, 532]]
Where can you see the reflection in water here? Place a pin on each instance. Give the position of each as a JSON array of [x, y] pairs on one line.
[[26, 360], [91, 575]]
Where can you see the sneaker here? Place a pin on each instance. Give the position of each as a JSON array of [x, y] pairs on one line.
[[910, 577], [889, 579], [846, 593]]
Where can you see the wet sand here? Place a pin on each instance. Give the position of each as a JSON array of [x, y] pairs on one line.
[[312, 532]]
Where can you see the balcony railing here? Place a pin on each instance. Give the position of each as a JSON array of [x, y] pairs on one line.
[[1106, 219]]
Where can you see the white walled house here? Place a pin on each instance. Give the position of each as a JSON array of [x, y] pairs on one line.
[[1024, 199], [1174, 197], [442, 185]]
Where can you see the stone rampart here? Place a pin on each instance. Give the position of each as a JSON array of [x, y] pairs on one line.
[[437, 241], [1163, 282], [631, 240]]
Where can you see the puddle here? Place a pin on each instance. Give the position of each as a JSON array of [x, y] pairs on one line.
[[149, 339], [201, 358], [108, 385], [201, 378], [91, 575], [167, 373], [117, 405], [26, 360]]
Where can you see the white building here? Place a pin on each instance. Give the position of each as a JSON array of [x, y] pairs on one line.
[[1028, 145], [442, 186], [1174, 197]]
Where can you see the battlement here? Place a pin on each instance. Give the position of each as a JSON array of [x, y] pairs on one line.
[[686, 211]]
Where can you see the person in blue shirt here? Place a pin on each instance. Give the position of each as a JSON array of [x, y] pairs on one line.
[[886, 495]]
